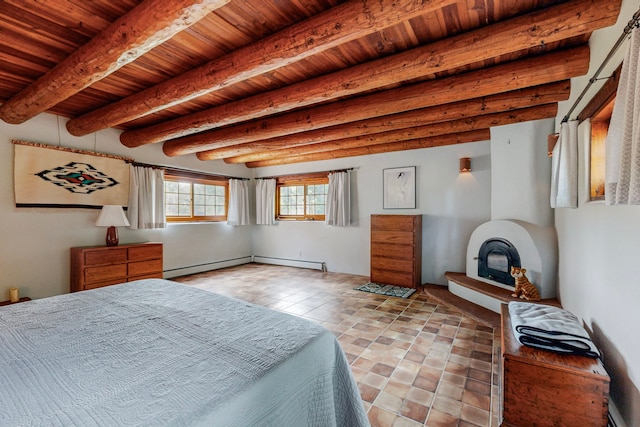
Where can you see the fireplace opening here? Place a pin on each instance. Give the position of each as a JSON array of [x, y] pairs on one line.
[[495, 259]]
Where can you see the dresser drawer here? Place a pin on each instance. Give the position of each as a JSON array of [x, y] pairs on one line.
[[141, 268], [144, 252], [392, 278], [395, 237], [105, 273], [387, 250], [393, 222], [146, 276], [393, 264], [102, 284], [101, 257]]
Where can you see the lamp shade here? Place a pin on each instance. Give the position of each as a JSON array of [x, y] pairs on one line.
[[112, 215]]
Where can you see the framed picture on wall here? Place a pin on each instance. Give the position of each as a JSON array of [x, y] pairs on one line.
[[399, 188]]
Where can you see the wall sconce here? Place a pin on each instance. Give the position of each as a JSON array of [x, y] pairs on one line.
[[551, 143], [112, 216], [465, 164]]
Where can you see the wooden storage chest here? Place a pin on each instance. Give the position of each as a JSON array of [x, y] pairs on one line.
[[97, 266], [396, 250], [542, 388]]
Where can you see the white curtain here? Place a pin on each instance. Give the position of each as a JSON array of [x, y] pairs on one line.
[[146, 198], [564, 169], [265, 201], [622, 150], [338, 208], [238, 202]]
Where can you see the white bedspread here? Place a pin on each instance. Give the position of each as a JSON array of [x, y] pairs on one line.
[[158, 353]]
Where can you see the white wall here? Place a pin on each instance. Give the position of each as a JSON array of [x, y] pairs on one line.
[[521, 172], [599, 253], [35, 242], [598, 282], [452, 205]]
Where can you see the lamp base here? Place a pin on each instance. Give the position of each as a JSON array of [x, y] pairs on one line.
[[112, 236]]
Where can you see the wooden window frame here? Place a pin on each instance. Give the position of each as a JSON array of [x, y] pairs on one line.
[[198, 179], [599, 110], [300, 180]]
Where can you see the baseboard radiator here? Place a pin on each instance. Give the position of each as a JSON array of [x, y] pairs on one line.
[[314, 265], [207, 266]]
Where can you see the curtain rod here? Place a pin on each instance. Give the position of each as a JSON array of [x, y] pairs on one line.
[[632, 23], [306, 173], [186, 171]]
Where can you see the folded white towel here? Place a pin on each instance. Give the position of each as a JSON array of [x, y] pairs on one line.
[[550, 328]]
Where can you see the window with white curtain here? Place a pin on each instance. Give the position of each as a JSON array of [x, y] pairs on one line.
[[189, 199]]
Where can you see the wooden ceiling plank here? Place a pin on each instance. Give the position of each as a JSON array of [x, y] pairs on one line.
[[436, 141], [338, 25], [146, 26], [533, 71], [454, 126], [252, 151], [531, 30]]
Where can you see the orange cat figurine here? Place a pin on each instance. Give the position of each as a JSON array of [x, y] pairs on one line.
[[524, 288]]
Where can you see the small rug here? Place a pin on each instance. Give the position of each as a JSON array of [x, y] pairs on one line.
[[389, 290]]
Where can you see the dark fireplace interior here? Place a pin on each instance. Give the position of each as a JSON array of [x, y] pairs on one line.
[[495, 259]]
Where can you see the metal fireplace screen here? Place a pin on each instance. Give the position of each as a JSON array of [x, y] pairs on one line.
[[495, 259]]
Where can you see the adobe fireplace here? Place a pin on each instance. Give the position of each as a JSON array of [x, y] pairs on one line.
[[521, 218], [496, 246]]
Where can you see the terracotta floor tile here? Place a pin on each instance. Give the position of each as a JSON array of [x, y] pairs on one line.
[[477, 400], [438, 418], [414, 411], [379, 417], [475, 415], [389, 401], [416, 362]]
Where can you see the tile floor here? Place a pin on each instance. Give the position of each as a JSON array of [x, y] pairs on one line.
[[416, 362]]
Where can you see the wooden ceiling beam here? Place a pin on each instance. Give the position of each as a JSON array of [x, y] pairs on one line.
[[346, 22], [444, 128], [436, 141], [507, 77], [148, 25], [532, 30], [537, 95]]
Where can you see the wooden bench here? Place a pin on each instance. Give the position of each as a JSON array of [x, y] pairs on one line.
[[544, 388]]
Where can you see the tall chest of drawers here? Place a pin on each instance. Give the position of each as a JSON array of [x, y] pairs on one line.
[[97, 266], [396, 250]]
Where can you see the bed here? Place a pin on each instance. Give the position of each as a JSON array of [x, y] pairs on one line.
[[159, 353]]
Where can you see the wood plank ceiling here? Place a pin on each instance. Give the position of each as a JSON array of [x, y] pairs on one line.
[[265, 82]]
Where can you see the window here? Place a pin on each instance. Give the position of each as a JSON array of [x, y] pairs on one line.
[[599, 111], [302, 197], [189, 199]]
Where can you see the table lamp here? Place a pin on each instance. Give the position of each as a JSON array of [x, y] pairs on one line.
[[112, 216]]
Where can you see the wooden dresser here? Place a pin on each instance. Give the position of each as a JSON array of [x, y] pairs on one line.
[[542, 388], [97, 266], [396, 250]]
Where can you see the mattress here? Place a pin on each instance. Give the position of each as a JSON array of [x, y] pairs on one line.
[[159, 353]]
